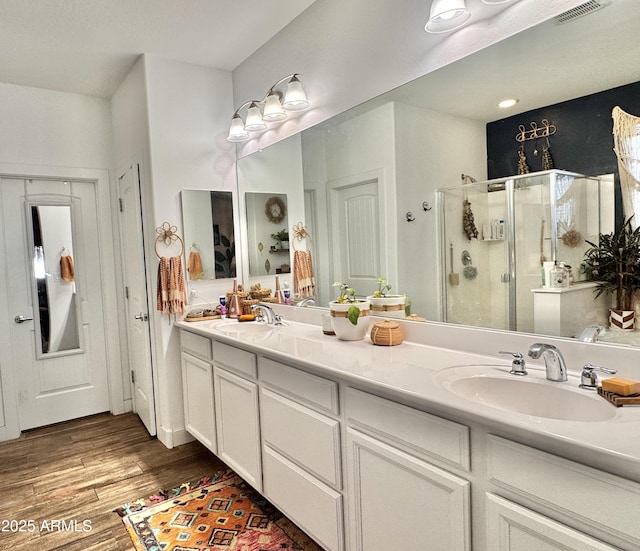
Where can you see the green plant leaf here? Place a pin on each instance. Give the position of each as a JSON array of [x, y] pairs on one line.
[[353, 314]]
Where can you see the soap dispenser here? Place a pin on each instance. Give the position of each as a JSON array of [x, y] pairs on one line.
[[233, 311]]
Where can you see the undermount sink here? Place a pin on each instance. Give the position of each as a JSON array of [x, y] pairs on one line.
[[532, 395], [239, 329]]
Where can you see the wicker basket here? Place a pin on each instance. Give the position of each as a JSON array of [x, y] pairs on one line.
[[246, 305], [260, 294], [387, 333]]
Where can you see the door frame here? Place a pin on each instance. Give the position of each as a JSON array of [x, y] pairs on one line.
[[112, 305]]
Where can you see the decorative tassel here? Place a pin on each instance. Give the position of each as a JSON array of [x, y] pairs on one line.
[[468, 223], [547, 159], [523, 168]]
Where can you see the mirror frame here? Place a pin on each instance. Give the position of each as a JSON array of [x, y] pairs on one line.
[[37, 201]]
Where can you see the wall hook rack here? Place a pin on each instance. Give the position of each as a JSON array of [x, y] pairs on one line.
[[547, 129]]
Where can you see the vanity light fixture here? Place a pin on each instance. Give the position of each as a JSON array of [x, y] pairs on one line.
[[447, 15], [508, 102], [275, 104]]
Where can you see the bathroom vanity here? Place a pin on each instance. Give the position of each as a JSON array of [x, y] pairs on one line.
[[372, 448]]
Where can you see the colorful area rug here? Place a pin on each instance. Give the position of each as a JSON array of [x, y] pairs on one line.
[[222, 512]]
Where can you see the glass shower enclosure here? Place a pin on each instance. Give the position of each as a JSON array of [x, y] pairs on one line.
[[495, 236]]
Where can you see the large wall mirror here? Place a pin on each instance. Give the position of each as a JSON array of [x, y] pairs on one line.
[[54, 281], [422, 136], [209, 236]]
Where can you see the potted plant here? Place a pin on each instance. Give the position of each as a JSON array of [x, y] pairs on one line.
[[615, 264], [281, 238], [346, 314], [386, 304]]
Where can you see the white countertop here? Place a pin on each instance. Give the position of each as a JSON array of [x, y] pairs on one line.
[[407, 373]]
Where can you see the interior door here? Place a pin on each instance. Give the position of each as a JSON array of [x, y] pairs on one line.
[[356, 241], [137, 310], [57, 378]]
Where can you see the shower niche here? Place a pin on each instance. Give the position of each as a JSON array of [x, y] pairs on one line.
[[509, 227]]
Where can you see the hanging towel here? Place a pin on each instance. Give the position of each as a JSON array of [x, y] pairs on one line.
[[304, 284], [177, 296], [194, 267], [67, 271], [170, 292], [163, 285]]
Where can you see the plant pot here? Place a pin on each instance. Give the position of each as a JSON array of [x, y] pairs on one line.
[[342, 326], [388, 306], [622, 320]]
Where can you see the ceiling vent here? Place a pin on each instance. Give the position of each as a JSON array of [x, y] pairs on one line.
[[581, 10]]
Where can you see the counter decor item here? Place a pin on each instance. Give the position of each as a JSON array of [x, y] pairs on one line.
[[346, 313], [387, 333], [614, 262], [386, 304]]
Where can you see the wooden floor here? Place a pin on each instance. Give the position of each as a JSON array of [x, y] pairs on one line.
[[82, 470]]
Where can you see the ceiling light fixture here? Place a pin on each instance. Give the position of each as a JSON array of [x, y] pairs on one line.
[[508, 102], [495, 2], [274, 106], [447, 15]]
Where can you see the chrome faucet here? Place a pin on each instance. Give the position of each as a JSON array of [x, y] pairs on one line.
[[266, 314], [553, 360], [306, 301], [590, 334], [263, 312]]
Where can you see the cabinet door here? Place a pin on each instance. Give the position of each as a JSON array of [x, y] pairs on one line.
[[197, 389], [511, 527], [237, 425], [398, 501]]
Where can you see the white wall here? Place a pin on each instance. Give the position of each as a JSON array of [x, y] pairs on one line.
[[54, 133], [171, 117], [349, 52]]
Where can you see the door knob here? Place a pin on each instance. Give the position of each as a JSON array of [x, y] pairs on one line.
[[141, 316], [21, 319]]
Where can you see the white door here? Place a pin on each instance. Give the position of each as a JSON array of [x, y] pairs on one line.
[[356, 240], [137, 310], [58, 345]]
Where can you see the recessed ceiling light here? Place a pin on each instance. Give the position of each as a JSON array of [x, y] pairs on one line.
[[506, 103]]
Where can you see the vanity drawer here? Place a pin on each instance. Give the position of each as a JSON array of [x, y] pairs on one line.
[[235, 359], [411, 429], [308, 438], [313, 506], [599, 500], [300, 385], [195, 344]]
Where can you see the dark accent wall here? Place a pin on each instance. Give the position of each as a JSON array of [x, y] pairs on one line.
[[582, 143]]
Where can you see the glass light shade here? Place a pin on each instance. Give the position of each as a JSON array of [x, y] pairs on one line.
[[494, 2], [254, 120], [447, 15], [295, 99], [273, 110], [237, 133]]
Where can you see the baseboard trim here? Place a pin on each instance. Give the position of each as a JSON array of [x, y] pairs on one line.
[[173, 438]]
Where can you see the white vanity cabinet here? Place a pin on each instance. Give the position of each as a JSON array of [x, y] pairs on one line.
[[236, 409], [301, 450], [197, 388], [577, 507], [398, 499]]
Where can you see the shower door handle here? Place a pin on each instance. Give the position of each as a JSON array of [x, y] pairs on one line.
[[21, 319]]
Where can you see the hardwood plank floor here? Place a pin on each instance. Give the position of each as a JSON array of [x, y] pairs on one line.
[[80, 471]]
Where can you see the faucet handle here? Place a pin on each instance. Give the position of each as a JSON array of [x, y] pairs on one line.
[[518, 364], [589, 377]]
